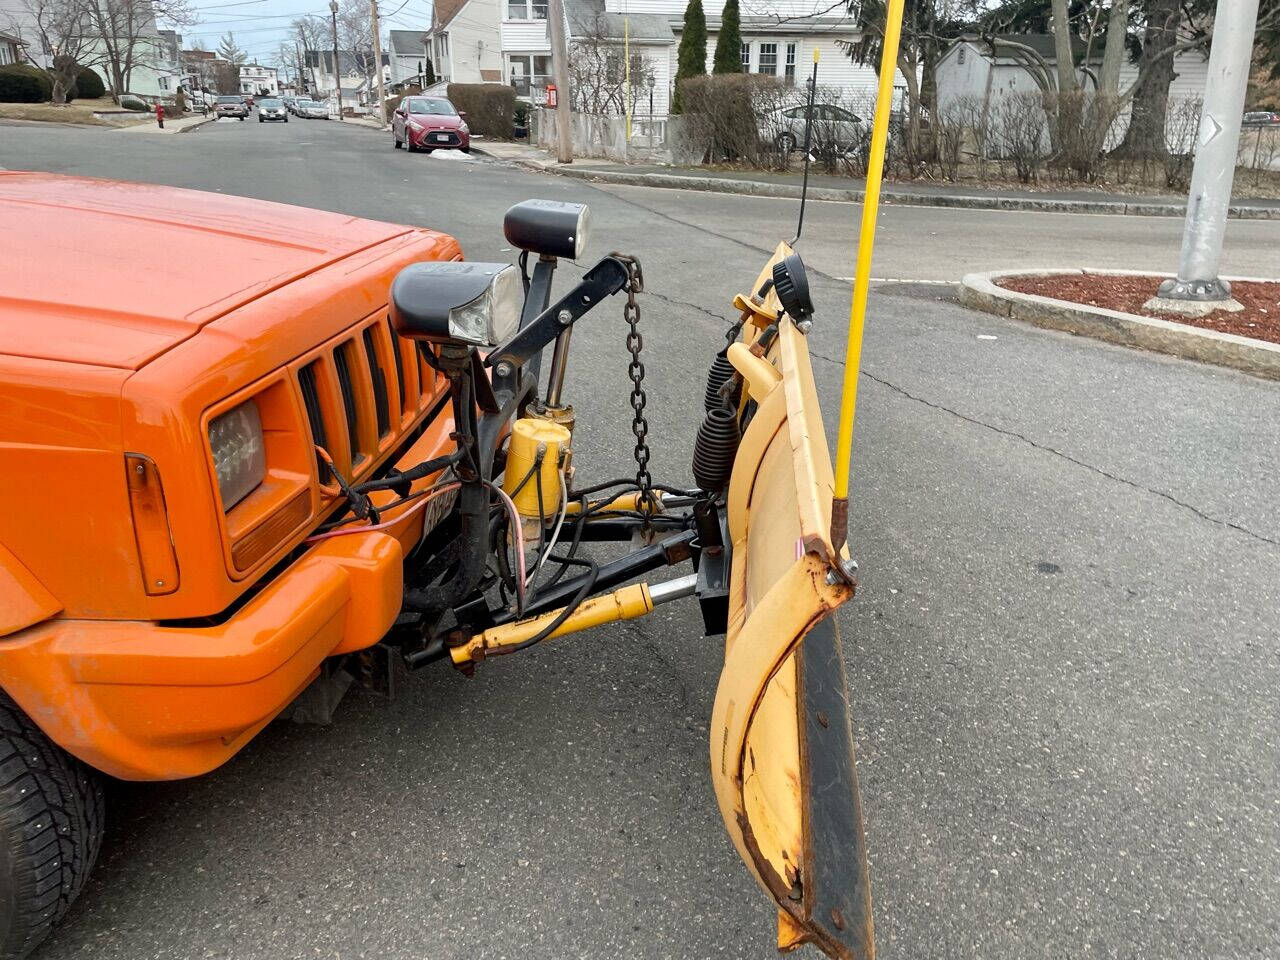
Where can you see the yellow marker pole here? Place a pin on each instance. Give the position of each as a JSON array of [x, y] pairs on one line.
[[862, 274]]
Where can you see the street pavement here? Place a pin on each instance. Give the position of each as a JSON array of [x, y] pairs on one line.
[[1063, 656]]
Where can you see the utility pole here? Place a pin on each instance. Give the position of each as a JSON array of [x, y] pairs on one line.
[[377, 62], [1197, 289], [560, 67], [302, 76], [337, 71]]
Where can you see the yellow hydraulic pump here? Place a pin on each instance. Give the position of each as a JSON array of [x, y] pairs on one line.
[[536, 455]]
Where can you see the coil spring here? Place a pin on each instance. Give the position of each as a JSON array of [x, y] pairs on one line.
[[720, 373], [715, 447]]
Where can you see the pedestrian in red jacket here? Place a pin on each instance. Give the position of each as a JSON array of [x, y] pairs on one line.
[[160, 114]]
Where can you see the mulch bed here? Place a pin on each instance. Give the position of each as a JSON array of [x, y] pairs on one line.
[[1260, 318]]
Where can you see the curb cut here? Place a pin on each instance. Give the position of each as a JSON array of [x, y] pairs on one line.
[[762, 188], [1259, 358]]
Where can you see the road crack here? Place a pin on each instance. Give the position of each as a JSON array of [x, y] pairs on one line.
[[1054, 451]]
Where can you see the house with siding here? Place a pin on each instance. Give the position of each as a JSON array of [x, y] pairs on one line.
[[985, 70], [155, 70], [408, 53], [506, 41]]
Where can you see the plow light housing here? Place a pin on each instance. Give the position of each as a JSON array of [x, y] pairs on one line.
[[457, 302], [551, 228], [791, 281]]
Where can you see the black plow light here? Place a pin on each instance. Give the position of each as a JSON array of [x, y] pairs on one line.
[[457, 302], [791, 283], [550, 228]]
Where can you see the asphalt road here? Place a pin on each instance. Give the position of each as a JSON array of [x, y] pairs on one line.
[[1064, 655]]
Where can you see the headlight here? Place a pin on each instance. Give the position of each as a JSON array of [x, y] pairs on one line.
[[475, 303], [463, 128], [552, 228], [239, 452]]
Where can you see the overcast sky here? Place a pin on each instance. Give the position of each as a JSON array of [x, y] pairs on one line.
[[259, 26]]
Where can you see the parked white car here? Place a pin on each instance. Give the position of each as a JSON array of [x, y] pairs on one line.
[[312, 110], [832, 126]]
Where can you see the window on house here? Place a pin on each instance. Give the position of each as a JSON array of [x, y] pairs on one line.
[[526, 9], [768, 58], [962, 56], [790, 66], [746, 58]]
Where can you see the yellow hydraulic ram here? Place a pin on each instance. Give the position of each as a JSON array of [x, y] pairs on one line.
[[625, 603]]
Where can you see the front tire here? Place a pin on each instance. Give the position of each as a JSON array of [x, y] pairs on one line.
[[51, 822]]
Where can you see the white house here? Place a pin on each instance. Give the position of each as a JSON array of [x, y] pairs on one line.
[[257, 80], [155, 71], [10, 48], [320, 75], [985, 70], [408, 55], [474, 41], [464, 41]]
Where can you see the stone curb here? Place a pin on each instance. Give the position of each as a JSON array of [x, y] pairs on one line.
[[197, 125], [761, 188], [1257, 357]]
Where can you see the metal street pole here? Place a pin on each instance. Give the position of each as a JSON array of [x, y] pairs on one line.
[[377, 63], [1215, 165], [560, 67], [337, 71]]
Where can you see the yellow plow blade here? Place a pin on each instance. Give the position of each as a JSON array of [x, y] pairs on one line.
[[781, 743]]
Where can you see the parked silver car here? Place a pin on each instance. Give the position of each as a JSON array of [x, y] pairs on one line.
[[313, 110], [832, 126]]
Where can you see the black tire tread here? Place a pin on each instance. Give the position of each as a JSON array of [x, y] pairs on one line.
[[51, 824]]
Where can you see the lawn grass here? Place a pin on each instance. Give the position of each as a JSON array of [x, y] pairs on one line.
[[79, 112]]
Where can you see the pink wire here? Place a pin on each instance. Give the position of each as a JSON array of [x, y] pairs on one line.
[[515, 525], [427, 498], [369, 528]]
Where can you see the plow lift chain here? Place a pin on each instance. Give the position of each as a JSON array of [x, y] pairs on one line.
[[635, 370]]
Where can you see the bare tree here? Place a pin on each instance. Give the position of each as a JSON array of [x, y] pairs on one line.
[[126, 31], [598, 75], [59, 29], [355, 33], [230, 51]]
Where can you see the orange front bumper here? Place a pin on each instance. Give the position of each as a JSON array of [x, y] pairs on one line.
[[142, 701]]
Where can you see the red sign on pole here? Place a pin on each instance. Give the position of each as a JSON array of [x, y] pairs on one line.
[[551, 95]]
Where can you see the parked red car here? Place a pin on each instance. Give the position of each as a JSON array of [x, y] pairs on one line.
[[430, 123]]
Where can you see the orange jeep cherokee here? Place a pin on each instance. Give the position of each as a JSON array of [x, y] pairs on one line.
[[243, 443]]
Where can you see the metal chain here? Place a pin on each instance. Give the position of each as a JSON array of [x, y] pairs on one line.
[[639, 424]]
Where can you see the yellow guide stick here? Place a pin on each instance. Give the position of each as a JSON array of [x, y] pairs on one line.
[[866, 240]]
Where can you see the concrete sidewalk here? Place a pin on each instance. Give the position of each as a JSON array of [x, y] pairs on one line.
[[180, 125], [845, 189]]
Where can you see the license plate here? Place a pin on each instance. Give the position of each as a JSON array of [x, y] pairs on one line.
[[442, 138]]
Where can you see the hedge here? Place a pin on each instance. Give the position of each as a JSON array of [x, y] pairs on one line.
[[20, 83], [88, 86], [490, 107]]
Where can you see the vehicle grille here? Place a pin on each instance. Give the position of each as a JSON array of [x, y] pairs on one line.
[[355, 409]]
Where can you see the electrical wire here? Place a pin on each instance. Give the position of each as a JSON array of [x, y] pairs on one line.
[[588, 584], [371, 527], [555, 534], [518, 534]]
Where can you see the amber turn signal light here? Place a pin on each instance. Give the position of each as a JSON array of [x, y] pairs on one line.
[[151, 525]]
